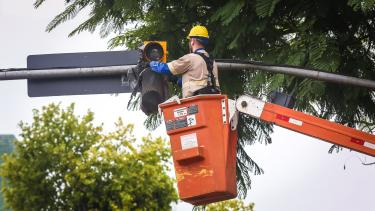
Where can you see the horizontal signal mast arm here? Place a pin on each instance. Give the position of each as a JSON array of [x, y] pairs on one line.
[[300, 72], [9, 74], [65, 72], [309, 125]]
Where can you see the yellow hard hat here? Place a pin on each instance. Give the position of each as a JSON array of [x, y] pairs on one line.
[[198, 31]]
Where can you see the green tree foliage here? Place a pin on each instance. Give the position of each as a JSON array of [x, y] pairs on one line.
[[228, 205], [64, 162], [233, 205], [6, 146], [333, 35]]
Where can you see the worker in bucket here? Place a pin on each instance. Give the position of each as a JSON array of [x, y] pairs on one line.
[[197, 71]]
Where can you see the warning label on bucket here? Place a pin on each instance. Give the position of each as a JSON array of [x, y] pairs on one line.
[[189, 141], [179, 112], [191, 121]]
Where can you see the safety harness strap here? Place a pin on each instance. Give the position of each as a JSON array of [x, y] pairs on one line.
[[210, 66]]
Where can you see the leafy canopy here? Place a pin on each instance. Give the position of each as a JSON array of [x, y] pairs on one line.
[[333, 35], [64, 162], [233, 205]]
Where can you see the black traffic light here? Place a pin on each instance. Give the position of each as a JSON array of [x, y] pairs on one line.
[[152, 86]]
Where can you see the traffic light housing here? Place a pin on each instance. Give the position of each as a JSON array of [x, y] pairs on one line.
[[152, 86], [155, 51]]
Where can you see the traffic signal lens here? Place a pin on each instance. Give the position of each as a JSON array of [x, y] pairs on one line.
[[154, 51]]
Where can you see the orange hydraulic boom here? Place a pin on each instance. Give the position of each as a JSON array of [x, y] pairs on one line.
[[203, 138], [309, 125]]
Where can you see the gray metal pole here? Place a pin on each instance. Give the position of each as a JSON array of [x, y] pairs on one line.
[[65, 72], [118, 70], [323, 76]]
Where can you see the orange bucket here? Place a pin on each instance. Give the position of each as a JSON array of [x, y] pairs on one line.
[[203, 148]]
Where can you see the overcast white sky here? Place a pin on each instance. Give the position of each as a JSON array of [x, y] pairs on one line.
[[299, 173]]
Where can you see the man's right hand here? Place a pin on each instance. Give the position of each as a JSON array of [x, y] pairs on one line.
[[179, 82], [175, 80]]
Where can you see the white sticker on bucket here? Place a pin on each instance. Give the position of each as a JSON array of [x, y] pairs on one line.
[[189, 141], [191, 121], [179, 112]]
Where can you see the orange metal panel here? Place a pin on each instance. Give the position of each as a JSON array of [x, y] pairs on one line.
[[203, 148], [319, 128], [189, 155]]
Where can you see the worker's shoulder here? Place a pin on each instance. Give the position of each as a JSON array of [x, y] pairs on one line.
[[191, 55], [195, 55], [188, 57]]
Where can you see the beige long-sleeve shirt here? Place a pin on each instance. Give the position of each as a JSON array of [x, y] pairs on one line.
[[194, 72]]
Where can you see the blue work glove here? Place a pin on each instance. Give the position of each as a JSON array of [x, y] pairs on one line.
[[160, 67], [179, 82]]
